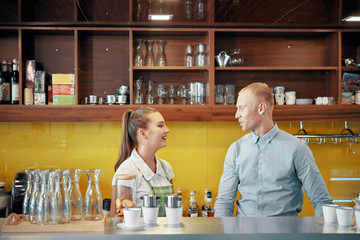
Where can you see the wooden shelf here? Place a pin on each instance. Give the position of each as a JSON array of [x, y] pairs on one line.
[[172, 113], [275, 68]]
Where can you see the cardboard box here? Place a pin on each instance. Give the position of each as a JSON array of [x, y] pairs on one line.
[[39, 82], [63, 99], [62, 78], [63, 89]]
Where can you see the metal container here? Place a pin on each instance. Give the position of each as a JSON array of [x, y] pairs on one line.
[[150, 200], [121, 99], [5, 196], [173, 201]]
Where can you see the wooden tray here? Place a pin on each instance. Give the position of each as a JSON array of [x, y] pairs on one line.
[[16, 224]]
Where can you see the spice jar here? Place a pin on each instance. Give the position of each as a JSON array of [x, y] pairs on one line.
[[125, 193]]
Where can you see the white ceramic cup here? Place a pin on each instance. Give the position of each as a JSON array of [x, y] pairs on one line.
[[132, 217], [150, 215], [344, 215], [329, 212], [173, 215], [357, 217], [290, 97], [280, 98]]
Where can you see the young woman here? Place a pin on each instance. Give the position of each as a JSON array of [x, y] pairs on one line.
[[143, 133]]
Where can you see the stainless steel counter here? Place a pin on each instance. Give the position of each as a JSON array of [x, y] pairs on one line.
[[214, 228]]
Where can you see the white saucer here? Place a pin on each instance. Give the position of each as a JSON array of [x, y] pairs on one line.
[[140, 227]]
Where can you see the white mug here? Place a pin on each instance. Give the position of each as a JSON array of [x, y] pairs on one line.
[[344, 215], [290, 97], [279, 89], [329, 212], [280, 98]]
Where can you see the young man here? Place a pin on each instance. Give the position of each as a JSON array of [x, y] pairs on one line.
[[268, 166]]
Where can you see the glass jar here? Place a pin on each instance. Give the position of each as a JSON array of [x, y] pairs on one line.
[[189, 56], [236, 58], [150, 93], [229, 94], [125, 192], [219, 94], [201, 58], [138, 93]]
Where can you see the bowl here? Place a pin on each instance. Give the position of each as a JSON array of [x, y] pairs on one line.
[[303, 101]]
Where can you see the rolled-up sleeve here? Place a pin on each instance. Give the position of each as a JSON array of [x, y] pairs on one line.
[[224, 204]]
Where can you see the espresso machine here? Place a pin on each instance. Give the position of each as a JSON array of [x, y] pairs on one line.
[[18, 191]]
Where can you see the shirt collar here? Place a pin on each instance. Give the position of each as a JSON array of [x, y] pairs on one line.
[[267, 137], [144, 168]]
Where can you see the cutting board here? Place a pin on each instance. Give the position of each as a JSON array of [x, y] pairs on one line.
[[16, 224]]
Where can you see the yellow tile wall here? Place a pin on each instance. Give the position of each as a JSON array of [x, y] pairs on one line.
[[196, 151]]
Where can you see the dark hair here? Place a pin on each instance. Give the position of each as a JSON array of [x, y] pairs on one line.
[[131, 122]]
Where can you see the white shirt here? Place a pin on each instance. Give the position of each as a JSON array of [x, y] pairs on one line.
[[137, 166]]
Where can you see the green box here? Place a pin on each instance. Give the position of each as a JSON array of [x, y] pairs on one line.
[[63, 99]]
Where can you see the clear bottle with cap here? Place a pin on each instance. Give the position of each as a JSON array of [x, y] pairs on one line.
[[208, 208], [203, 206], [193, 208], [189, 56], [125, 192], [179, 193]]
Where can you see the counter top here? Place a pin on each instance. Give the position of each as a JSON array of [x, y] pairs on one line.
[[213, 228]]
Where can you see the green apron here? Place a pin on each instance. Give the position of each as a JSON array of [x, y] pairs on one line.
[[162, 192]]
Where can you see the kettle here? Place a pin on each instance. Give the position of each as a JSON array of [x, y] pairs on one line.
[[222, 59], [173, 201], [150, 200]]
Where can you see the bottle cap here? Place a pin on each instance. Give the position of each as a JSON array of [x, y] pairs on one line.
[[2, 184]]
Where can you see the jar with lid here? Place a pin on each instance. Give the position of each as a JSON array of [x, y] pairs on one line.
[[125, 193], [201, 58]]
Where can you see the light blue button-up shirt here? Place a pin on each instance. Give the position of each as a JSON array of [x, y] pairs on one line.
[[270, 173]]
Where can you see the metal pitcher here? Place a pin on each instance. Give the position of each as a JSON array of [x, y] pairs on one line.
[[222, 59]]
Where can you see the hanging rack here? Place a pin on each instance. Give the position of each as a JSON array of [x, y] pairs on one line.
[[345, 134]]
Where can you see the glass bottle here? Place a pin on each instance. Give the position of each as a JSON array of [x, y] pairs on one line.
[[161, 93], [138, 93], [193, 208], [14, 80], [93, 203], [6, 83], [189, 56], [179, 193], [27, 195], [43, 207], [203, 206], [139, 10], [149, 55], [35, 195], [65, 205], [139, 56], [188, 10], [208, 209], [200, 6], [53, 203], [201, 58], [172, 94], [150, 93], [160, 56], [183, 94], [75, 195]]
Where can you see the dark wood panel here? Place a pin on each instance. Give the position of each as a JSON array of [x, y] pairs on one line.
[[9, 11], [278, 49], [103, 11], [9, 44], [277, 12], [47, 11], [103, 62]]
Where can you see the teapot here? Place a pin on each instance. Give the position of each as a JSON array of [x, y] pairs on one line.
[[222, 59]]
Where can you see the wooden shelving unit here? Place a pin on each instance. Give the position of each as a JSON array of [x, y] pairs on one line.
[[298, 46]]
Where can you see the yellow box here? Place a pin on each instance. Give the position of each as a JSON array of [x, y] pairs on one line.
[[63, 78]]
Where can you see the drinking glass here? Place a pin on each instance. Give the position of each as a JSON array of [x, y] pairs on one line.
[[161, 93]]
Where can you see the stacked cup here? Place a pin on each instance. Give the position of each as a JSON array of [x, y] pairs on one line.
[[342, 214]]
